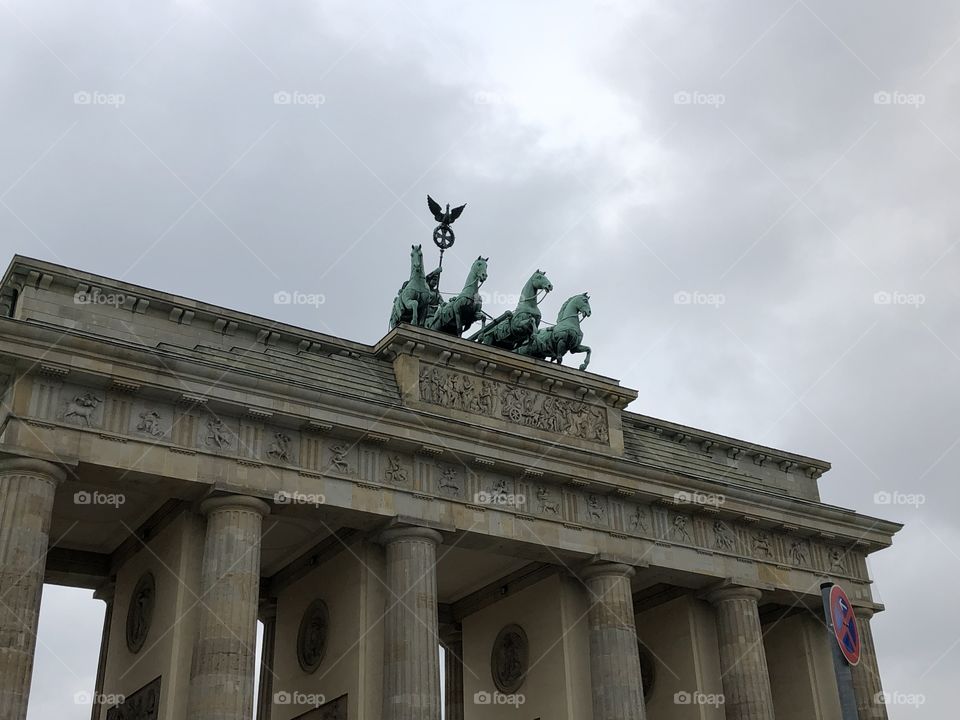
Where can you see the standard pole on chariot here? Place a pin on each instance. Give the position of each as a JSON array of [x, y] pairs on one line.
[[443, 236]]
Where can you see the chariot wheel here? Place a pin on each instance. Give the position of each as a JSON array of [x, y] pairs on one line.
[[443, 236]]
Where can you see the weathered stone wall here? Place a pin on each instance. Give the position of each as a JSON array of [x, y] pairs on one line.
[[801, 669], [682, 638], [558, 682], [174, 557], [351, 586]]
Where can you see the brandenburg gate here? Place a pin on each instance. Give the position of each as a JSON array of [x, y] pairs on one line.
[[201, 469]]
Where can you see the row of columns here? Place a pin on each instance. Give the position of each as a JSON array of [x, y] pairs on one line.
[[222, 669]]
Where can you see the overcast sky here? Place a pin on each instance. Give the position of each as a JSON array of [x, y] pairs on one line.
[[790, 168]]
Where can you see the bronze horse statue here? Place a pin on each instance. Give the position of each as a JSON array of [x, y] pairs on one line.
[[413, 299], [555, 342], [513, 329], [456, 315]]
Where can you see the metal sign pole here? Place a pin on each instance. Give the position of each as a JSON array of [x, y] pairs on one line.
[[841, 668]]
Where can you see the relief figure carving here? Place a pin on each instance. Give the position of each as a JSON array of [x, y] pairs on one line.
[[280, 447], [638, 521], [680, 528], [546, 504], [217, 433], [338, 458], [515, 404], [396, 472], [723, 537], [82, 408], [449, 481], [150, 423]]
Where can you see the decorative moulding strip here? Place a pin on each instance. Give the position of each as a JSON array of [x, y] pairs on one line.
[[315, 426], [55, 371]]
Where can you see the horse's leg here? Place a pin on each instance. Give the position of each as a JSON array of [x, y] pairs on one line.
[[414, 307], [586, 360], [561, 350]]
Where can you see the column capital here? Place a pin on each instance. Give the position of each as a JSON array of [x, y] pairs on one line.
[[863, 613], [238, 502], [733, 592], [409, 532], [606, 569], [33, 466]]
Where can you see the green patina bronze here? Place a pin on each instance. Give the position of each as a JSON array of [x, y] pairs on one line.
[[555, 342], [418, 302], [455, 316], [513, 329], [418, 297]]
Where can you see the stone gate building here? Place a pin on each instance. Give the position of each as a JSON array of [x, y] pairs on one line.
[[200, 468]]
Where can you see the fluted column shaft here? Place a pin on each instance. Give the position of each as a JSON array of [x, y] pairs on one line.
[[27, 488], [222, 672], [617, 686], [743, 661], [453, 677], [866, 675], [411, 663]]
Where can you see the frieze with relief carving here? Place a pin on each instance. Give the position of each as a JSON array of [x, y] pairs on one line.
[[514, 403], [82, 408]]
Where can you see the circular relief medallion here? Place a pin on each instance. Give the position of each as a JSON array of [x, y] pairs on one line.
[[140, 612], [312, 637], [508, 661], [648, 670]]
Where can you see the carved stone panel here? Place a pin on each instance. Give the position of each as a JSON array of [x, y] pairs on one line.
[[333, 710], [280, 447], [450, 481], [218, 434], [82, 407], [140, 611], [144, 704], [596, 509], [151, 421], [312, 635], [397, 471], [515, 404], [548, 502], [509, 659], [341, 457]]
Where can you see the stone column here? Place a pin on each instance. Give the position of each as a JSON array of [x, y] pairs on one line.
[[866, 675], [617, 687], [221, 675], [26, 504], [743, 662], [268, 616], [453, 675], [104, 592], [411, 661]]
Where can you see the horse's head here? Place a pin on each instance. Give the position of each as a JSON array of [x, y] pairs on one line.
[[574, 307], [416, 257], [539, 281], [479, 268], [582, 304]]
